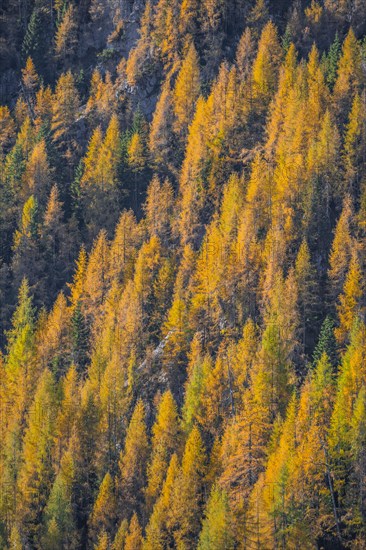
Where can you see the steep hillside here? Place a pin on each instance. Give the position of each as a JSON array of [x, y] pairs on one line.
[[182, 274]]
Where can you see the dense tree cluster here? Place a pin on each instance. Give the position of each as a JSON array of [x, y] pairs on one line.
[[182, 274]]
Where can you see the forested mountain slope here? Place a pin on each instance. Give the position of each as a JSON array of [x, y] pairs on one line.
[[182, 274]]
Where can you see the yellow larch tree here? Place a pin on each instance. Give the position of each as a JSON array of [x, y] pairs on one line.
[[134, 538], [342, 247], [37, 176], [164, 442], [157, 534], [159, 209], [187, 492], [186, 92], [161, 130], [103, 515], [77, 286], [140, 61], [65, 107], [133, 459], [7, 130], [124, 247], [35, 475], [266, 64], [354, 143], [350, 77], [245, 56], [66, 35], [349, 307], [96, 282], [286, 83], [91, 158]]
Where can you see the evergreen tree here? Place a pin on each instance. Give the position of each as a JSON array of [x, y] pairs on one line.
[[326, 342], [60, 526], [32, 39], [20, 366], [80, 338], [332, 60]]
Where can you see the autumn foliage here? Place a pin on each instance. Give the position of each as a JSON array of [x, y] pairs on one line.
[[182, 275]]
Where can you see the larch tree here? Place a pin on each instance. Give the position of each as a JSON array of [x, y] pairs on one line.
[[20, 360], [110, 155], [65, 109], [37, 176], [7, 130], [90, 160], [30, 84], [349, 307], [67, 414], [157, 533], [245, 56], [165, 437], [266, 64], [127, 238], [66, 35], [350, 76], [99, 183], [54, 347], [306, 283], [58, 242], [133, 461], [140, 62], [188, 491], [161, 130], [166, 34], [102, 542], [341, 250], [30, 78], [216, 528], [35, 475], [96, 284], [354, 144], [159, 209], [59, 520], [119, 539], [27, 238], [134, 539], [103, 516], [186, 92]]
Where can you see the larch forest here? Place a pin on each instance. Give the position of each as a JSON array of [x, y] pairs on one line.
[[182, 274]]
